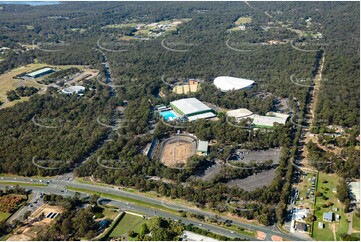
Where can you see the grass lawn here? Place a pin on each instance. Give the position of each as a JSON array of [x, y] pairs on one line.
[[355, 222], [142, 32], [119, 26], [355, 225], [243, 20], [33, 177], [127, 223], [7, 82], [23, 184], [151, 194], [127, 38], [137, 229], [331, 231], [110, 214], [4, 216], [121, 198], [243, 231]]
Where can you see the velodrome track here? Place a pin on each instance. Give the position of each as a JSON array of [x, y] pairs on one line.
[[173, 141]]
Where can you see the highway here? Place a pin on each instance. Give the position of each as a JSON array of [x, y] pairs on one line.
[[59, 184], [125, 206]]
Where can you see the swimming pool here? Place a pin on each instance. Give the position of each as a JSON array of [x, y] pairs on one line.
[[168, 115]]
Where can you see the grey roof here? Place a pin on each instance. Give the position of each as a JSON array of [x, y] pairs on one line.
[[328, 216], [73, 89], [202, 146], [39, 71], [190, 105]]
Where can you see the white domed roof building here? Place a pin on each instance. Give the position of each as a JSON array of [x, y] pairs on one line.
[[227, 83]]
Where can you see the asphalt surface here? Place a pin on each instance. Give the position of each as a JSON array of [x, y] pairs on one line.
[[125, 206], [58, 186]]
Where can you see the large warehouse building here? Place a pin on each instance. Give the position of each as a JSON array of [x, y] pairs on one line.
[[227, 83], [192, 108], [259, 120], [40, 72]]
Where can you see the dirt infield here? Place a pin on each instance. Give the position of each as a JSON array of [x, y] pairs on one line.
[[176, 150]]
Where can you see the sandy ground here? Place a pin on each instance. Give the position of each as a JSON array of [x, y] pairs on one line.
[[176, 153], [261, 235], [185, 89], [31, 230], [276, 238]]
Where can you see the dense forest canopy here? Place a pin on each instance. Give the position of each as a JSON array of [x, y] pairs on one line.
[[273, 48]]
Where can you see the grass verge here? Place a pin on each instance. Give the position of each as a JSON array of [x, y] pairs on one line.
[[25, 184]]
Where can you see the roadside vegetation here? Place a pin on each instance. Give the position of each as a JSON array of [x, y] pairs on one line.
[[52, 133]]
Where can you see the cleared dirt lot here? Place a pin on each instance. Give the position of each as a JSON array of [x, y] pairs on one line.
[[251, 183], [176, 150], [176, 153], [35, 225]]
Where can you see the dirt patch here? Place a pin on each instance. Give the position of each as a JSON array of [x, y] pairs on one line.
[[261, 235], [176, 153], [36, 223], [276, 238], [333, 228], [46, 209]]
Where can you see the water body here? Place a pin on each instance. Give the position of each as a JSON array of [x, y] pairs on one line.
[[31, 3]]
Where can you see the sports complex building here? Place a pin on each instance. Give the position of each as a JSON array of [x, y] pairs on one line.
[[74, 89], [259, 120], [189, 109], [227, 83], [192, 108]]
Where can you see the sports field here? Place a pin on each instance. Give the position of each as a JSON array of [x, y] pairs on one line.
[[126, 224], [243, 20], [185, 89], [176, 151]]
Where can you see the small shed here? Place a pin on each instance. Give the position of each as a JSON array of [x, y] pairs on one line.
[[202, 147], [320, 225]]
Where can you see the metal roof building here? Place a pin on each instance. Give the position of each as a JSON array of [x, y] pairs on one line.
[[74, 89], [40, 72], [227, 83], [267, 121], [192, 108], [355, 191], [202, 147], [239, 113], [328, 216], [259, 120]]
